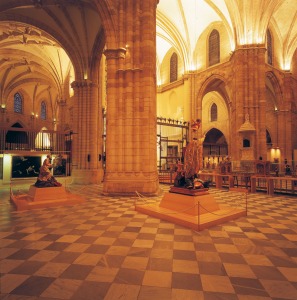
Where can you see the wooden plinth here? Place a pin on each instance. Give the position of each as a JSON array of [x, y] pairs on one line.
[[45, 197], [195, 212]]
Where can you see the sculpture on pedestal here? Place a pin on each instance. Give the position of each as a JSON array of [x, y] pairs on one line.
[[45, 178], [188, 177]]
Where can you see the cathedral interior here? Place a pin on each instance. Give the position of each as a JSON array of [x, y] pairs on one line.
[[110, 89]]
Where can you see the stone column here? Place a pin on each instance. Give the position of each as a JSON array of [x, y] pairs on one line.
[[87, 136], [131, 144], [285, 118], [249, 100]]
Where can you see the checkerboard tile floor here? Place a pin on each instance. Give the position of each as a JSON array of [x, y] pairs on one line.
[[104, 249]]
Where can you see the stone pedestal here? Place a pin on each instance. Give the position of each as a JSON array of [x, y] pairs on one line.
[[45, 197], [197, 211]]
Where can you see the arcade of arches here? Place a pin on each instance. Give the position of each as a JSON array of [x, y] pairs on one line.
[[101, 72]]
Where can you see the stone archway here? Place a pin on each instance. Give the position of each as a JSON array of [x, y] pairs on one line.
[[16, 139], [215, 148]]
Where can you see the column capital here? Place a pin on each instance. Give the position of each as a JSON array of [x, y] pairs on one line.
[[115, 53], [84, 83]]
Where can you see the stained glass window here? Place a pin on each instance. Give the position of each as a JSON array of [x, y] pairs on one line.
[[18, 103], [173, 67], [43, 110], [213, 113], [214, 48]]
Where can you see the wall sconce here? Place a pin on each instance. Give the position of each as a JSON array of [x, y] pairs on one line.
[[33, 116], [3, 108], [54, 121]]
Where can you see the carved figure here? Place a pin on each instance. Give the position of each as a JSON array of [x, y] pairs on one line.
[[45, 178]]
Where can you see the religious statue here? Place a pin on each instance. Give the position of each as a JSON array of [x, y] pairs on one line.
[[45, 178], [188, 178], [195, 125]]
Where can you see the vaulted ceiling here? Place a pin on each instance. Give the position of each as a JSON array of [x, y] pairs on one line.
[[180, 23], [38, 37]]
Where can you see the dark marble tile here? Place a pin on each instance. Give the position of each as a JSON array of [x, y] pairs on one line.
[[156, 293], [266, 272], [160, 264], [111, 261], [248, 286], [163, 245], [22, 254], [27, 267], [184, 254], [234, 258], [57, 246], [219, 296], [207, 247], [129, 276], [79, 272], [91, 291], [211, 268], [66, 257], [132, 229], [97, 249], [186, 281], [33, 286], [165, 231]]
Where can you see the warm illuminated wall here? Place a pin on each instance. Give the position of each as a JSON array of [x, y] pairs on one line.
[[201, 51], [174, 103], [222, 122], [165, 68]]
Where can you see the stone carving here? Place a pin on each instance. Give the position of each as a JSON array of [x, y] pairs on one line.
[[45, 178]]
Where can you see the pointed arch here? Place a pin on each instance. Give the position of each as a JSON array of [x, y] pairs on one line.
[[16, 139], [215, 147]]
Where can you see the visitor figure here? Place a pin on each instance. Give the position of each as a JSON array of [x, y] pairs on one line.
[[288, 170], [276, 171], [45, 178]]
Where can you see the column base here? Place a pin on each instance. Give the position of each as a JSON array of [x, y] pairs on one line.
[[87, 176], [130, 185]]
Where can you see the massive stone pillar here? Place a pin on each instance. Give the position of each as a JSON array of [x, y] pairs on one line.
[[131, 144], [87, 137], [285, 131], [249, 103]]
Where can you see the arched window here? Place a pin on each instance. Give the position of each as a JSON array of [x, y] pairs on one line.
[[173, 67], [18, 103], [268, 139], [246, 143], [214, 48], [43, 110], [213, 113], [269, 48]]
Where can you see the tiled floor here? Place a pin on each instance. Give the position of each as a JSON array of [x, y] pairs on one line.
[[104, 249]]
